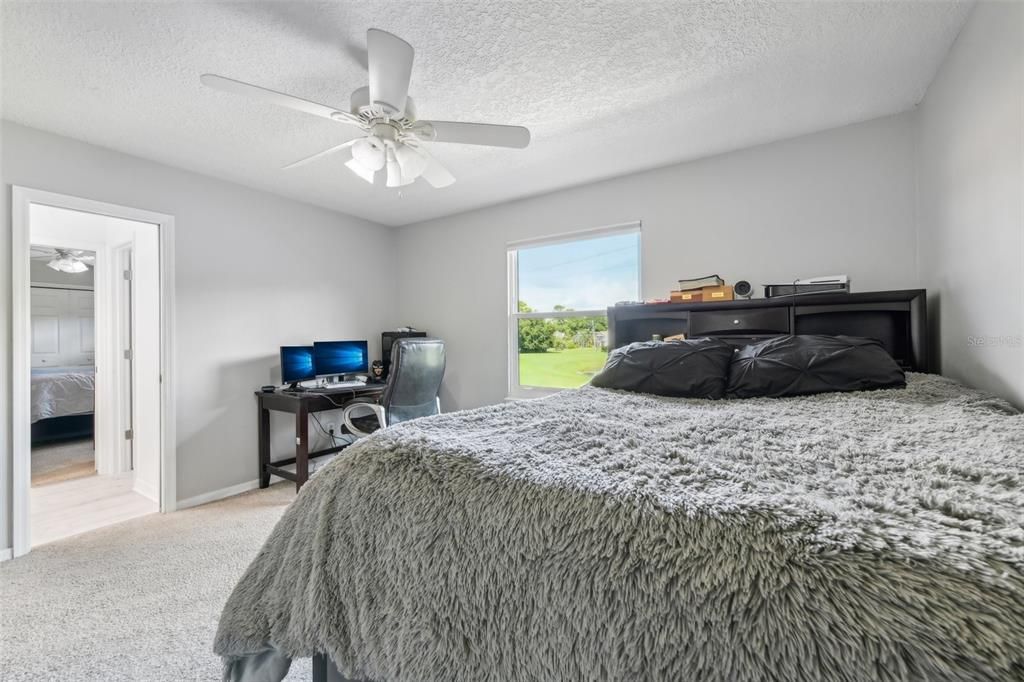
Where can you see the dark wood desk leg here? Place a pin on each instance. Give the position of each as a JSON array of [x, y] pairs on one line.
[[301, 446], [264, 444]]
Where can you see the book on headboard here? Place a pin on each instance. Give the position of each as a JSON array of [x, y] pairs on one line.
[[700, 282]]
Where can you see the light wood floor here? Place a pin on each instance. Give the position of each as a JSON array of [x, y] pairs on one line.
[[60, 510]]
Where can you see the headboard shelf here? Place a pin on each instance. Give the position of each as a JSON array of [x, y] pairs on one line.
[[897, 319]]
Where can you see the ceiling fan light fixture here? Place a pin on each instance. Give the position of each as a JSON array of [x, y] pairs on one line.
[[394, 170], [360, 170], [369, 152], [384, 110], [67, 264], [396, 178], [411, 161]]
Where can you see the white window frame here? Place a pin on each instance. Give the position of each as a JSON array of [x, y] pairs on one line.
[[515, 390]]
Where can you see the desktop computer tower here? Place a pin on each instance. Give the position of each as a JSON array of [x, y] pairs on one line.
[[387, 339]]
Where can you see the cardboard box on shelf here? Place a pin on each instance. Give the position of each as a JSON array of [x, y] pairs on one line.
[[722, 293], [688, 296]]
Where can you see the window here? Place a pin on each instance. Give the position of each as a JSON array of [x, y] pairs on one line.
[[559, 290]]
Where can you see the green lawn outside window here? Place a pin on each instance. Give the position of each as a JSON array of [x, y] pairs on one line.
[[569, 368]]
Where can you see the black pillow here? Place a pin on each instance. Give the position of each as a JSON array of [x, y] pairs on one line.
[[697, 368], [800, 365]]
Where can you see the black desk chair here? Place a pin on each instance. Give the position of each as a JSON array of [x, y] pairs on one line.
[[417, 367]]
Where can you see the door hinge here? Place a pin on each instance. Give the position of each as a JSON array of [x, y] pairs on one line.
[[128, 435], [128, 354], [128, 275]]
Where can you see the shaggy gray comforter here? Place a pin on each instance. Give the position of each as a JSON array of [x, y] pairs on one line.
[[601, 535]]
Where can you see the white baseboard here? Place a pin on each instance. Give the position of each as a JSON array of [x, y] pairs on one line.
[[147, 490], [215, 495], [6, 554], [233, 490]]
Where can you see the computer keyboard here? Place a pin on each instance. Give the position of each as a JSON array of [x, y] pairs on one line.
[[337, 386]]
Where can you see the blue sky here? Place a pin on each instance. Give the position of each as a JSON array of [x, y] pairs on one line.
[[584, 275]]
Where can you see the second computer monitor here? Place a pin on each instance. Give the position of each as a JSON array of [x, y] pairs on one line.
[[297, 364], [335, 358]]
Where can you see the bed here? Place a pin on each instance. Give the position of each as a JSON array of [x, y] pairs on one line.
[[610, 536], [605, 535], [62, 402]]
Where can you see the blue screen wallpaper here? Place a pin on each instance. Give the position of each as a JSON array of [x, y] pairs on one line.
[[297, 363], [339, 357]]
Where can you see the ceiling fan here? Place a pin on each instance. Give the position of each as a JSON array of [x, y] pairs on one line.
[[394, 140], [72, 261]]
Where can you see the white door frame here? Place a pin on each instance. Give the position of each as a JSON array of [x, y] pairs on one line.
[[21, 346]]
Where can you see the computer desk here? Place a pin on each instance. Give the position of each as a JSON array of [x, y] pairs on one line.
[[301, 404]]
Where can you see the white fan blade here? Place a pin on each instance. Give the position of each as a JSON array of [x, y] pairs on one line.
[[437, 175], [434, 173], [389, 59], [360, 170], [314, 157], [279, 98], [473, 133]]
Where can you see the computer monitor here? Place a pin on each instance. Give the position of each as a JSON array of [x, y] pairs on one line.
[[387, 340], [336, 358], [297, 364]]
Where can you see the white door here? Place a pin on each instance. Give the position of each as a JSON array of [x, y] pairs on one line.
[[125, 355], [145, 341]]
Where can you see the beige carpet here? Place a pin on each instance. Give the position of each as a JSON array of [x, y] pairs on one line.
[[62, 462], [135, 601]]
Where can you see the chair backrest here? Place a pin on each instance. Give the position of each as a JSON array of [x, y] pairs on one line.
[[417, 367]]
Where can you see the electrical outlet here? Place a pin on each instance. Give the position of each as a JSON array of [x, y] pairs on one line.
[[332, 428]]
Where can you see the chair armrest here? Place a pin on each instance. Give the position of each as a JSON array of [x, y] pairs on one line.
[[377, 409]]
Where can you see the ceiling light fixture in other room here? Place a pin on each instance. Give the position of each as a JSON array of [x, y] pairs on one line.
[[68, 264]]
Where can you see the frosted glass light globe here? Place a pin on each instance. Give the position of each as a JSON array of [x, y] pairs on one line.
[[412, 162], [369, 152]]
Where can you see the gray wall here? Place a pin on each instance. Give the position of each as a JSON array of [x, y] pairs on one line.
[[253, 271], [840, 201], [39, 272], [970, 161]]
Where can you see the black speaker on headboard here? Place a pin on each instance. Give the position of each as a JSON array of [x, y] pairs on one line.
[[387, 339]]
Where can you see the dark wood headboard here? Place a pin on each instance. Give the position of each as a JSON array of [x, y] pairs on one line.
[[898, 319]]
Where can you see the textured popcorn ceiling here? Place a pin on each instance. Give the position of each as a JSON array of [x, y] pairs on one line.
[[607, 88]]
